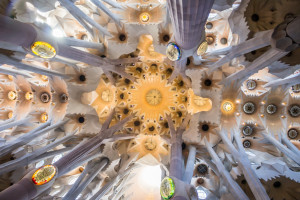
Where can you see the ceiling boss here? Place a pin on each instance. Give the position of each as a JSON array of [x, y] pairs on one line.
[[151, 96]]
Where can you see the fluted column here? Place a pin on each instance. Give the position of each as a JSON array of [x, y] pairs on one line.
[[5, 126], [176, 161], [92, 169], [16, 32], [23, 190], [189, 169], [29, 190], [188, 18], [176, 169]]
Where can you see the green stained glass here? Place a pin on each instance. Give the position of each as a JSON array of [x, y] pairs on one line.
[[167, 188]]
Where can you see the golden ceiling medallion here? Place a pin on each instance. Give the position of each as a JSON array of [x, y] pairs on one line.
[[44, 118], [28, 96], [227, 107], [153, 97], [144, 17], [12, 95], [43, 49]]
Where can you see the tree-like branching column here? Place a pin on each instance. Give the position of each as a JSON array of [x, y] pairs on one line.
[[183, 190], [26, 189], [176, 161], [106, 134], [188, 18], [283, 39], [21, 37]]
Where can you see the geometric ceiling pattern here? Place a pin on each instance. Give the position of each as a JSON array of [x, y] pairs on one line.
[[149, 99]]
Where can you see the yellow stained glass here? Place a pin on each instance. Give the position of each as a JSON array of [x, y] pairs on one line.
[[144, 17], [44, 174], [43, 49]]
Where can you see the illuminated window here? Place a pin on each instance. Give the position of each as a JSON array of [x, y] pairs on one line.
[[44, 174], [12, 95], [28, 96], [227, 107], [43, 49], [144, 17], [44, 117], [173, 51], [167, 188]]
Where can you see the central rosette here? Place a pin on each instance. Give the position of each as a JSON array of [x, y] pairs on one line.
[[153, 97]]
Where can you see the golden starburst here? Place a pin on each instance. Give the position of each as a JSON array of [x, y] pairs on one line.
[[153, 97]]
